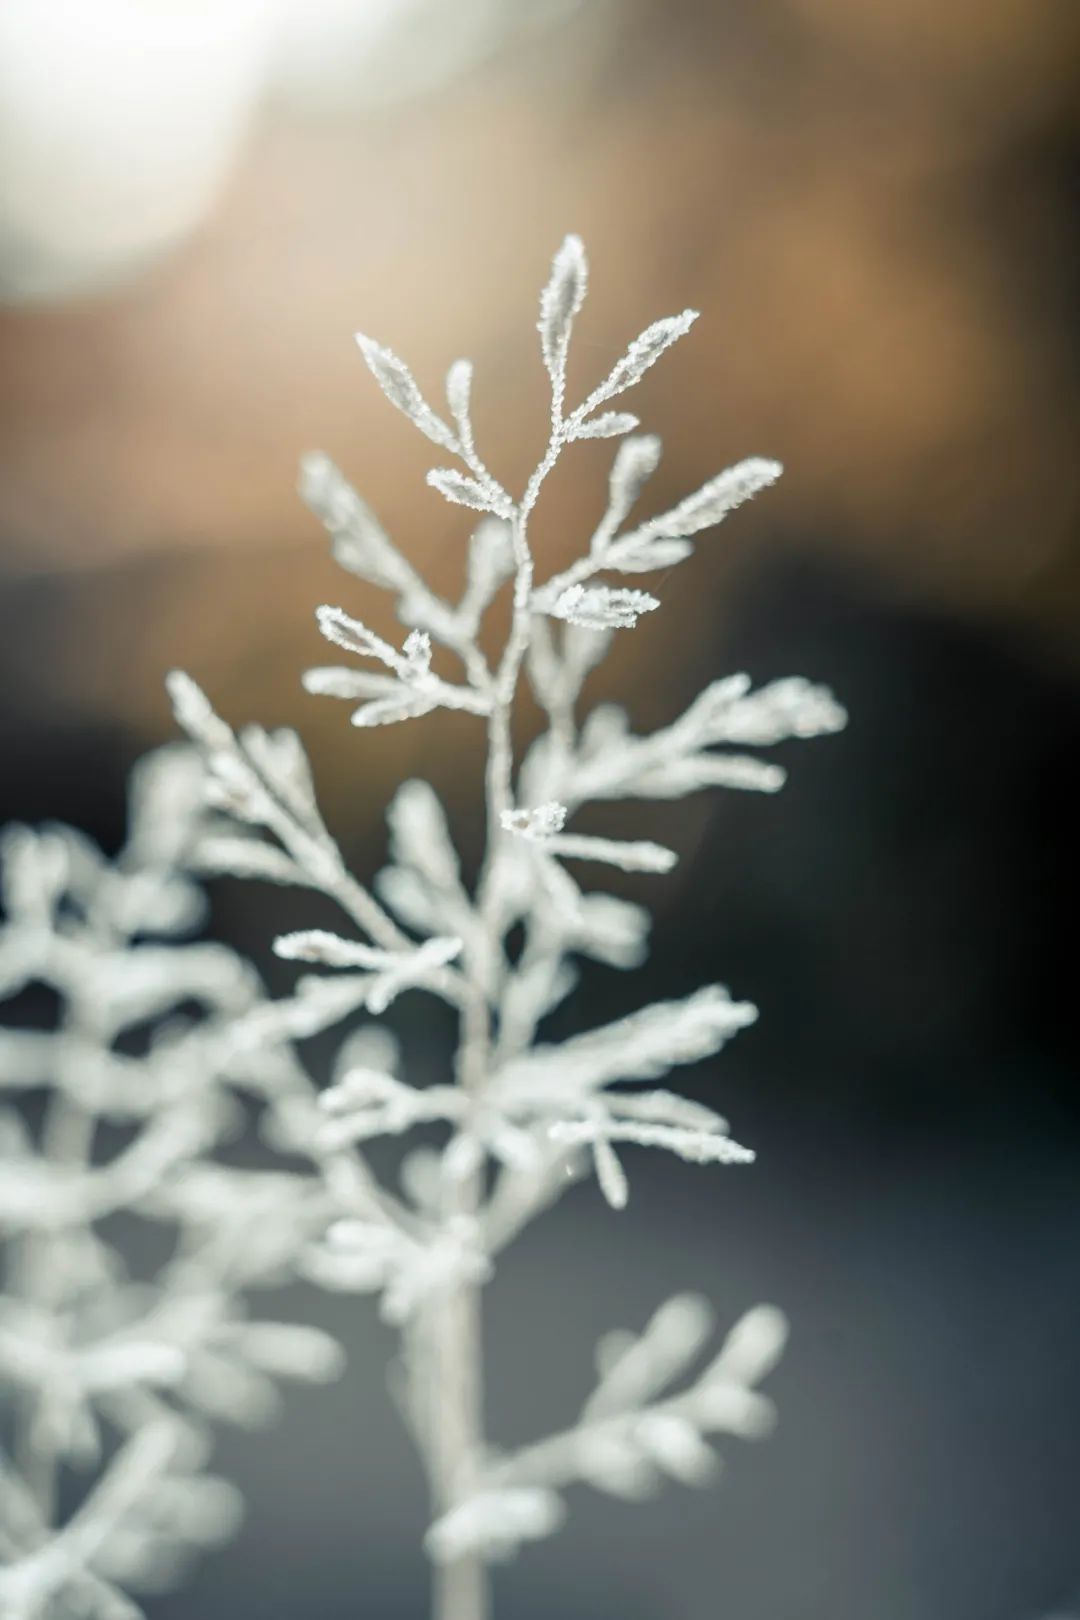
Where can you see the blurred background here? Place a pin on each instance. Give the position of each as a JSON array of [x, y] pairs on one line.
[[874, 206]]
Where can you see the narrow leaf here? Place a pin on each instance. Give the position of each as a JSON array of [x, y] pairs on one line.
[[644, 352], [713, 501], [641, 856], [610, 1173], [464, 491], [609, 425], [644, 556], [246, 858], [598, 607], [355, 637], [359, 542], [398, 384], [458, 395], [559, 303]]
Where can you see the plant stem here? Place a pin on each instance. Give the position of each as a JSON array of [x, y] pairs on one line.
[[461, 1589], [462, 1586]]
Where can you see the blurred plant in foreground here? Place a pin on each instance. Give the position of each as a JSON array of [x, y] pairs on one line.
[[520, 1118], [110, 1381]]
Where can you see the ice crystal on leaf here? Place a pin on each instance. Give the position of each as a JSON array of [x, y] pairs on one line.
[[597, 607], [515, 1120]]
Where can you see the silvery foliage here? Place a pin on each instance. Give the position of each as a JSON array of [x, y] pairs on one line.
[[110, 1383], [521, 1117], [517, 1119]]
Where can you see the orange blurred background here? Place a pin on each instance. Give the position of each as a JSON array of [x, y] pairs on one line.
[[867, 203]]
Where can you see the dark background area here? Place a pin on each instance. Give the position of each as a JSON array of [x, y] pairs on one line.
[[875, 208]]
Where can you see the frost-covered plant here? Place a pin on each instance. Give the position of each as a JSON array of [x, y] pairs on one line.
[[521, 1117], [110, 1381]]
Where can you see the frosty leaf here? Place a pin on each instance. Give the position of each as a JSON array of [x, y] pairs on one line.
[[666, 1108], [359, 542], [280, 759], [608, 425], [398, 384], [544, 824], [372, 1046], [388, 711], [317, 1004], [164, 801], [635, 462], [676, 1446], [458, 397], [644, 352], [598, 607], [558, 669], [560, 301], [787, 708], [329, 950], [490, 565], [366, 1103], [194, 712], [643, 1046], [534, 990], [260, 778], [583, 647], [420, 836], [355, 637], [462, 490], [541, 822], [414, 901], [338, 682], [713, 501], [420, 967], [638, 856], [611, 930], [417, 690], [363, 1256], [645, 1366], [681, 776], [728, 711], [634, 1428], [696, 1147], [33, 872], [391, 971], [390, 700], [363, 1088], [609, 1173], [494, 1524], [632, 556], [289, 1350], [752, 1348], [675, 761]]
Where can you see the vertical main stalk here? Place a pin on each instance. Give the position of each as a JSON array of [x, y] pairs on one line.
[[461, 1587]]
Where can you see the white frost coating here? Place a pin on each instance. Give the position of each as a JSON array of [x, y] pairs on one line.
[[508, 1125], [540, 823], [495, 1523], [560, 302], [597, 607], [110, 1376], [398, 384], [387, 973], [414, 691]]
